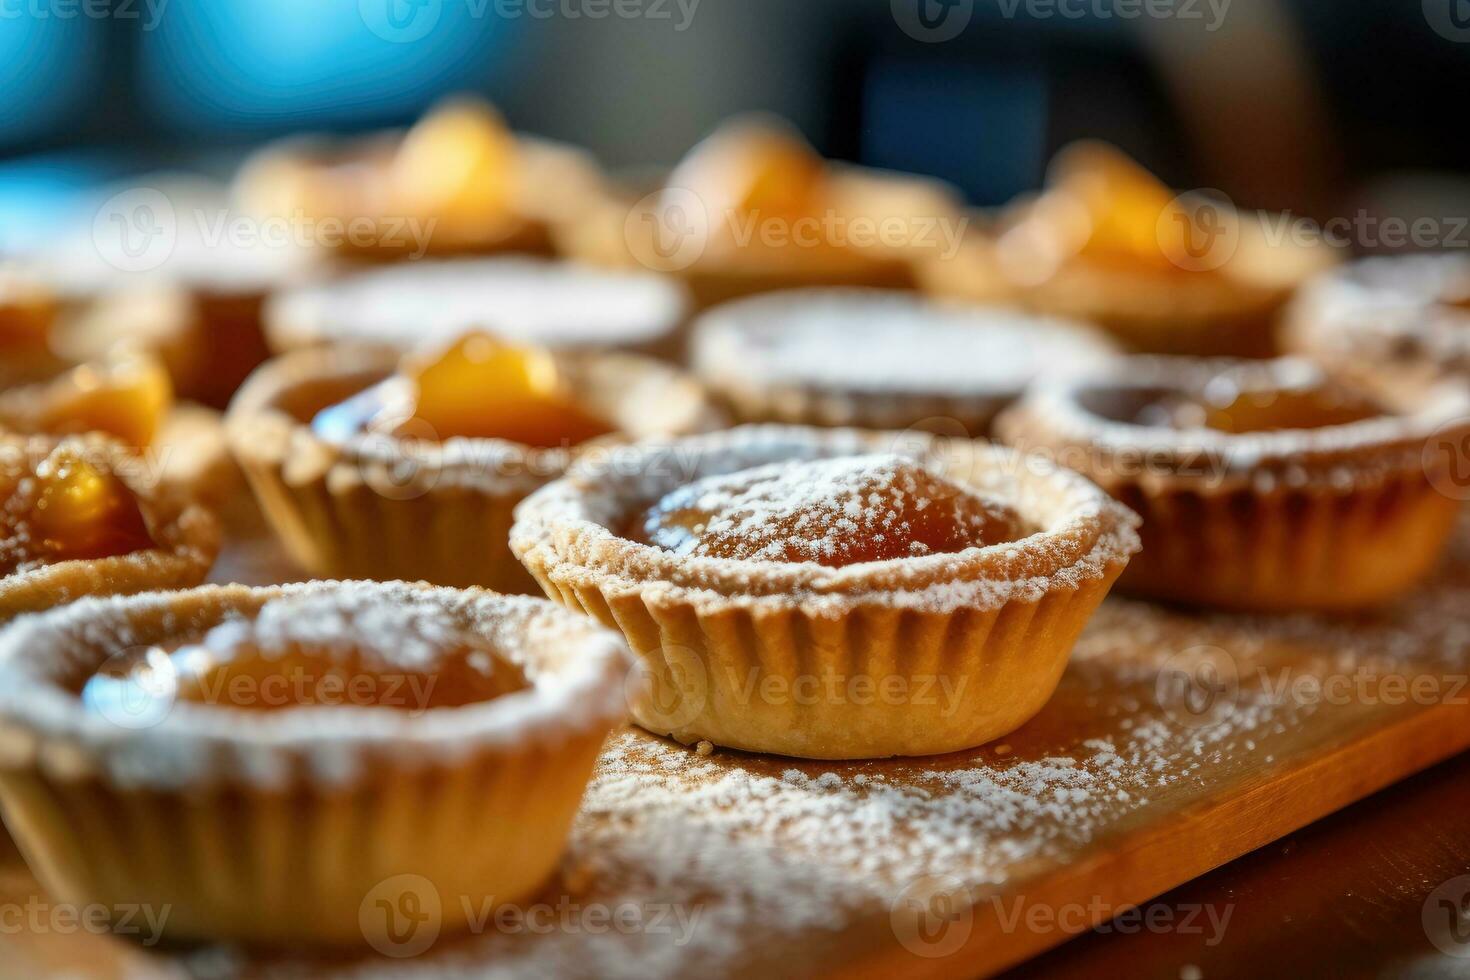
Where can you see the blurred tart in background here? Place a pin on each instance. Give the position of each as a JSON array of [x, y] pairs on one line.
[[881, 359], [754, 569], [372, 464], [270, 745], [458, 181], [83, 516], [754, 208], [1106, 242], [1402, 316], [562, 305], [1263, 485]]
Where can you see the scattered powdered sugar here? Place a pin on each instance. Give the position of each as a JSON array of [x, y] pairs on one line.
[[887, 341]]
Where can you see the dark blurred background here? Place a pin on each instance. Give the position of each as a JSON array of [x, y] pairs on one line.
[[1321, 106]]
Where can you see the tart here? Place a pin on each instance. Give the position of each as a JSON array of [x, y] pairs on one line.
[[754, 208], [1403, 316], [82, 516], [267, 763], [1262, 485], [457, 182], [830, 593], [880, 359], [1108, 243], [371, 464], [563, 305]]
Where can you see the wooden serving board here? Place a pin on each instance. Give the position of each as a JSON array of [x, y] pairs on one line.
[[1175, 743]]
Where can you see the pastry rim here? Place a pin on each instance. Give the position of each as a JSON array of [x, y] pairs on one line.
[[1336, 455], [577, 691], [262, 432], [563, 529]]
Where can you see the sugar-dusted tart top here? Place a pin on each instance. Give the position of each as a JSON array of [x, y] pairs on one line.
[[321, 651], [534, 301], [873, 341], [834, 512]]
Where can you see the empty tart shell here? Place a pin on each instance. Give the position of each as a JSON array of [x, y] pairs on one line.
[[385, 508], [186, 536], [1336, 516], [1406, 317], [280, 826], [880, 359], [967, 646]]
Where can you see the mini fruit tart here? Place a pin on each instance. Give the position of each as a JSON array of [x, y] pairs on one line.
[[753, 208], [830, 593], [457, 182], [1407, 317], [371, 464], [1262, 485], [1108, 243], [82, 516], [272, 764], [563, 305], [881, 359]]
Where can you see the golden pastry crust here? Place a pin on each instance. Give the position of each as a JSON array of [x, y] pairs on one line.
[[991, 626], [186, 535], [382, 508], [277, 826], [1331, 516]]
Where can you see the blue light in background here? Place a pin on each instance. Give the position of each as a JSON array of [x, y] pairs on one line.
[[981, 127], [224, 65], [48, 64]]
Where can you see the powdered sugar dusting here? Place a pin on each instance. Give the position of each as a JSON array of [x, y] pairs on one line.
[[833, 512]]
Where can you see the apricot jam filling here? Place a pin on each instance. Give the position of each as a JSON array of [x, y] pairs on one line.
[[457, 161], [68, 507], [126, 395], [834, 512], [479, 388], [754, 169], [1240, 412], [231, 668], [1101, 205]]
